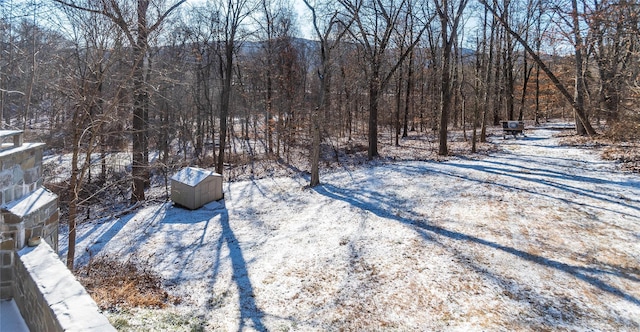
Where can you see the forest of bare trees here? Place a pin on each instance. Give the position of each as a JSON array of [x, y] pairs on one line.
[[140, 88]]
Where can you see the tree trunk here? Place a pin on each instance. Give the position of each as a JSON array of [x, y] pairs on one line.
[[225, 102], [73, 191], [445, 103], [374, 90], [407, 97], [398, 106], [140, 102], [487, 70], [580, 84], [315, 148]]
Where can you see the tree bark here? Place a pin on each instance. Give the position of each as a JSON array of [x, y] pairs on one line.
[[580, 83], [374, 91], [225, 101], [407, 97], [140, 104]]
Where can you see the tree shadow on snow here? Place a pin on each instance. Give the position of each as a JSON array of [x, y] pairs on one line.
[[250, 314], [98, 244], [249, 311], [381, 206], [529, 176]]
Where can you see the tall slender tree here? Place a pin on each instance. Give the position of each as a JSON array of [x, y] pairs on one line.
[[329, 28], [450, 15], [233, 12]]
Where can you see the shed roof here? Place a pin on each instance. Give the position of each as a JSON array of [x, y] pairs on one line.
[[192, 176]]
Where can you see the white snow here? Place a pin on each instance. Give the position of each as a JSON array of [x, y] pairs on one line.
[[191, 176], [11, 149], [536, 237], [31, 203]]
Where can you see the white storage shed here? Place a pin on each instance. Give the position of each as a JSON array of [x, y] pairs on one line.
[[194, 187]]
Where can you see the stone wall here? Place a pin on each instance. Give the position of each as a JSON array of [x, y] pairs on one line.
[[49, 296], [46, 292], [20, 171], [33, 307], [26, 209], [7, 258]]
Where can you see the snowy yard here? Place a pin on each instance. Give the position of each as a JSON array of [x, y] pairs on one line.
[[535, 237]]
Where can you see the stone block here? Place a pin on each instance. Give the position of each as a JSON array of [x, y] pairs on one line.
[[8, 194], [29, 162], [36, 231], [18, 140], [8, 244], [52, 239], [8, 229], [31, 175], [38, 152], [6, 274], [6, 258], [18, 191], [6, 292], [10, 218], [16, 236], [18, 174], [53, 219], [7, 283], [8, 163], [6, 179], [29, 221]]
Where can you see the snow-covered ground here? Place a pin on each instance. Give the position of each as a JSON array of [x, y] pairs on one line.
[[535, 237]]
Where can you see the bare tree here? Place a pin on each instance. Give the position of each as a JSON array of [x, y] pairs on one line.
[[83, 87], [233, 13], [137, 30], [580, 88], [579, 110], [613, 28], [376, 22], [450, 15], [329, 29]]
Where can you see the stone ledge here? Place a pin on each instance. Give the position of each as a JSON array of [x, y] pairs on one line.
[[22, 148], [71, 305], [31, 203]]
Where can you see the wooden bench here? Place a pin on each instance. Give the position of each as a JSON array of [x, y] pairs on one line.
[[514, 128]]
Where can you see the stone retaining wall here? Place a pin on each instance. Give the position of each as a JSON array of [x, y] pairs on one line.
[[49, 296]]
